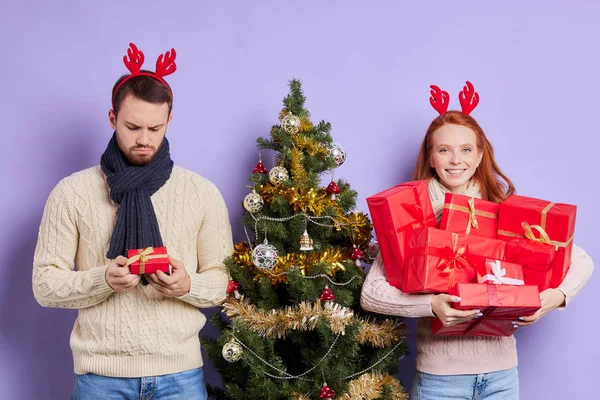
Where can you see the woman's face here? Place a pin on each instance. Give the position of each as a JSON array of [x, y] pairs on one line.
[[455, 156]]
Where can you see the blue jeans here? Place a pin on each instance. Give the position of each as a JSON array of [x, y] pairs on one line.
[[187, 385], [498, 385]]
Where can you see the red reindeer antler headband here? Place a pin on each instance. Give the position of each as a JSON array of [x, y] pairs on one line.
[[468, 98], [165, 65]]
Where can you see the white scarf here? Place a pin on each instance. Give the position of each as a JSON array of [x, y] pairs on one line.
[[437, 194]]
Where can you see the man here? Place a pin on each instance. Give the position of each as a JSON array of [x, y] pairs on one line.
[[133, 340]]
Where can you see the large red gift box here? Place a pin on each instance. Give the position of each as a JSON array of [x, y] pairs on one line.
[[438, 259], [471, 216], [500, 305], [543, 221], [536, 259], [148, 260], [394, 212]]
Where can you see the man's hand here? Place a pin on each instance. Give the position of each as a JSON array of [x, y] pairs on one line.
[[175, 285], [118, 277], [550, 299], [442, 308]]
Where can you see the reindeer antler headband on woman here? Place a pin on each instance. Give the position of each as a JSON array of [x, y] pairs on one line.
[[165, 65], [468, 98]]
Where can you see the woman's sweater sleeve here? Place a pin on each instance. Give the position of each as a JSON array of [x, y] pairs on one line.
[[379, 296]]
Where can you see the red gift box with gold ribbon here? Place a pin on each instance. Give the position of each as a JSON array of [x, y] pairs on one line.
[[148, 260], [395, 212], [540, 221], [437, 259], [468, 215], [500, 305]]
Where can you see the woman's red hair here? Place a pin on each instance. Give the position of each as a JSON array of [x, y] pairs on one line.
[[493, 184]]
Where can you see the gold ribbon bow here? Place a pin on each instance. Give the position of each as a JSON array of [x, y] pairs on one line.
[[473, 213], [544, 237], [143, 258]]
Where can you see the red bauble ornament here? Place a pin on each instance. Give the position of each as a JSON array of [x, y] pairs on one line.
[[333, 189], [356, 255], [260, 168], [327, 297], [233, 288], [326, 392]]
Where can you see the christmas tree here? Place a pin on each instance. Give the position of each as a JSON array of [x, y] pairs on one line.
[[292, 326]]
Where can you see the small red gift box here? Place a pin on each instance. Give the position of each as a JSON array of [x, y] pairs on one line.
[[497, 272], [148, 260], [394, 212], [471, 216], [536, 259], [438, 259], [554, 223], [500, 305]]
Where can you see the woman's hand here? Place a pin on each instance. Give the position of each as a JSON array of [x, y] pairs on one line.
[[441, 305], [550, 299]]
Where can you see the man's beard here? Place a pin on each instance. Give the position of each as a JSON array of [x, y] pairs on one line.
[[140, 160]]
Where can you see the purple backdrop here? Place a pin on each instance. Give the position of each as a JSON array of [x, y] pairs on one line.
[[366, 69]]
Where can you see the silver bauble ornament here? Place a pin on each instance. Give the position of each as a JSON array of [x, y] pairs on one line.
[[232, 351], [290, 123], [264, 256], [338, 153], [253, 202], [278, 175]]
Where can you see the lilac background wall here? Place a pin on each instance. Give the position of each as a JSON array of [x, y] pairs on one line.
[[365, 68]]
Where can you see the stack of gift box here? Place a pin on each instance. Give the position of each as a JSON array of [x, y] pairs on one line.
[[495, 257]]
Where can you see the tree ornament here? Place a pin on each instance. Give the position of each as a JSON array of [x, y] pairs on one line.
[[264, 256], [333, 189], [253, 202], [233, 288], [373, 248], [232, 351], [306, 243], [278, 175], [326, 392], [290, 123], [260, 168], [327, 297], [338, 153], [356, 255]]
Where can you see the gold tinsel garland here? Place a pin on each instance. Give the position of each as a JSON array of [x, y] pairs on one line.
[[299, 174], [370, 386], [305, 317], [367, 386], [302, 200], [303, 261], [310, 145]]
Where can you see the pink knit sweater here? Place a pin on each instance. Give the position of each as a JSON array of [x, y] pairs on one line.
[[456, 355]]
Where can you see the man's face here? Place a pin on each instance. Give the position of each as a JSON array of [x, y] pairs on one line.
[[140, 128]]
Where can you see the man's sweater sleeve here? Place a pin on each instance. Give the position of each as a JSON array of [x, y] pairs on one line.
[[379, 296], [54, 280], [215, 244]]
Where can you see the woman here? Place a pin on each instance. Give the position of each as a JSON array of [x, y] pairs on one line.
[[456, 156]]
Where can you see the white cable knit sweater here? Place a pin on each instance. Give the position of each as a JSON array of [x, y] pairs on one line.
[[456, 355], [141, 332]]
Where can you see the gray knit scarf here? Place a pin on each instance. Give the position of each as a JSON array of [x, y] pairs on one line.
[[131, 187]]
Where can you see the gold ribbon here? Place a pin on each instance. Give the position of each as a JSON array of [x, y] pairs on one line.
[[143, 257], [541, 228], [473, 213]]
